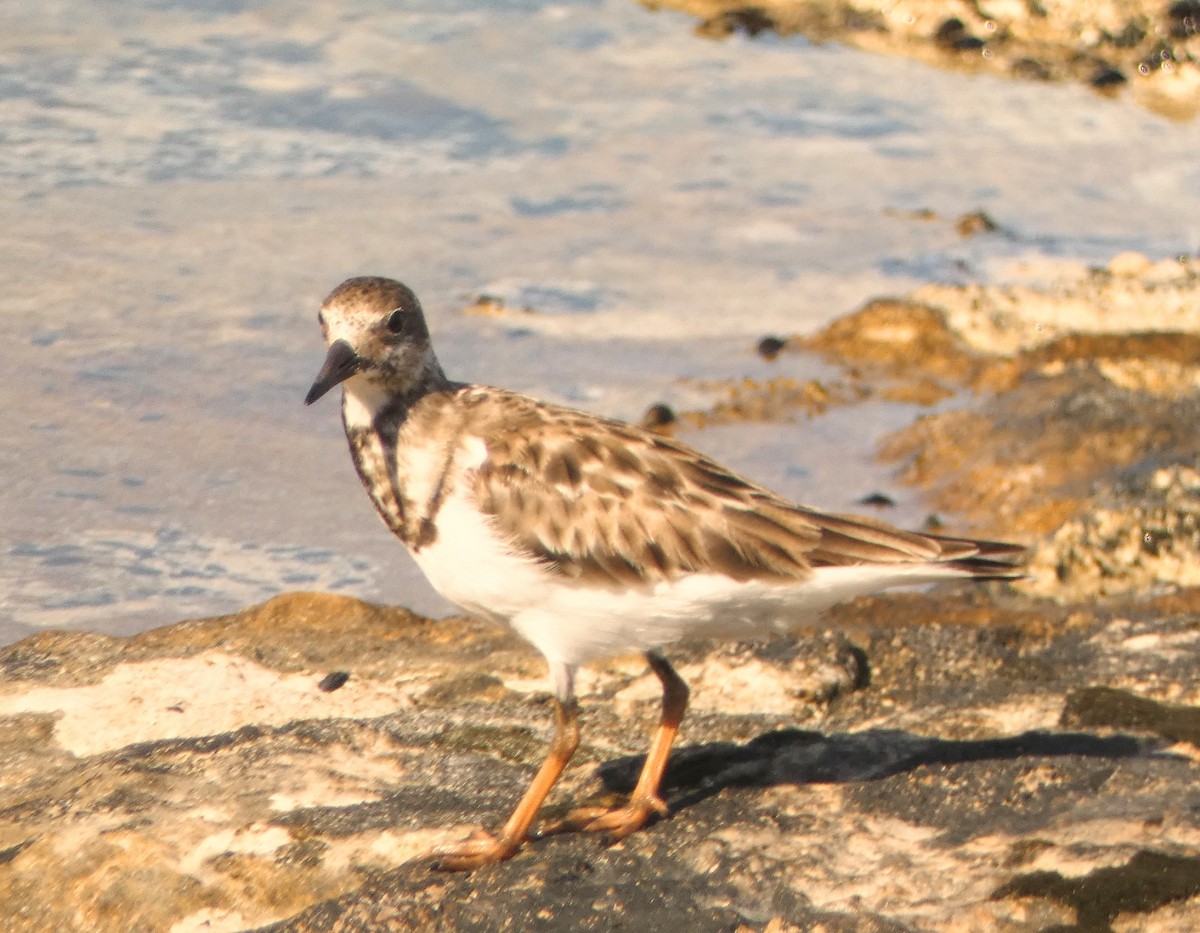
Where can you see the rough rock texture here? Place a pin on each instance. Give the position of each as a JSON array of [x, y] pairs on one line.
[[1077, 433], [1134, 537], [768, 400], [957, 775], [992, 758], [1150, 46], [1134, 324], [1131, 294], [1139, 320]]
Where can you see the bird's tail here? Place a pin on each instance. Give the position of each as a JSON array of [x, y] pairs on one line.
[[983, 560]]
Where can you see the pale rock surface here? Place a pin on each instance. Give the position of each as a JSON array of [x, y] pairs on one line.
[[895, 773]]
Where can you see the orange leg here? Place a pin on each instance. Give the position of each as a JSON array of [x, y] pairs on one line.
[[644, 803], [484, 848]]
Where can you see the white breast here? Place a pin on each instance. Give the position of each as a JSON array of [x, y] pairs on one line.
[[469, 564]]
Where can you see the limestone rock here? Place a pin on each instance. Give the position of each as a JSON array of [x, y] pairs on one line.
[[199, 778], [1151, 47]]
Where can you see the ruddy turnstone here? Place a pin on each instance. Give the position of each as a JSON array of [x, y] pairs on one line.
[[588, 536]]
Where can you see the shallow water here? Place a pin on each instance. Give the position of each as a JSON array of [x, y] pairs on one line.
[[184, 186]]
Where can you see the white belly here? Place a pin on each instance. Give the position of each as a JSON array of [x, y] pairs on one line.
[[574, 623], [469, 565]]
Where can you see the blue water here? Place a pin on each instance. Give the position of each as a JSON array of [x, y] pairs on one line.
[[184, 183]]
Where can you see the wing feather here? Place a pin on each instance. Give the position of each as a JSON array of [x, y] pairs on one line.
[[611, 504]]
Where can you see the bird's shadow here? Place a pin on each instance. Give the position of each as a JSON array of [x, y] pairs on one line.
[[796, 756]]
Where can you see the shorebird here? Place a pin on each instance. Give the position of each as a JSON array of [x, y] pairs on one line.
[[590, 537]]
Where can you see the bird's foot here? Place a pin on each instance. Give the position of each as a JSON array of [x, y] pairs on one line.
[[617, 823], [482, 848]]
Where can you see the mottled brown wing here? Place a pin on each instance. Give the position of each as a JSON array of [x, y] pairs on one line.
[[609, 503], [852, 539]]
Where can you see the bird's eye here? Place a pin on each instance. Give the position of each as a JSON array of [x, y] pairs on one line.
[[395, 321]]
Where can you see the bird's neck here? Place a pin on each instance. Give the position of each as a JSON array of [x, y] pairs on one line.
[[401, 469], [370, 401]]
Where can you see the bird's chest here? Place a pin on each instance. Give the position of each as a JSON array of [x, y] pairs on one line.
[[474, 567], [416, 470], [405, 482], [375, 462]]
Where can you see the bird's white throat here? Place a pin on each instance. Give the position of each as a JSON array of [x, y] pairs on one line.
[[362, 400]]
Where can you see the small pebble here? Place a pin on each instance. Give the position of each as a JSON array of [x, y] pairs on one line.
[[1185, 18], [487, 305], [953, 36], [332, 681], [1031, 69], [750, 20], [1107, 78], [976, 222], [769, 347], [658, 416]]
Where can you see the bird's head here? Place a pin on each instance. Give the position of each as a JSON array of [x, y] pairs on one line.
[[378, 340]]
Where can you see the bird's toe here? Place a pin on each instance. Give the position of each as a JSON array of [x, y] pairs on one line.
[[481, 849], [617, 823]]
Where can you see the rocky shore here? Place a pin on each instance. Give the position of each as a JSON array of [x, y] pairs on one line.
[[1149, 47], [993, 758]]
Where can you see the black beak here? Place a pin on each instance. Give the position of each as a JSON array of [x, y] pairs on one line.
[[340, 364]]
